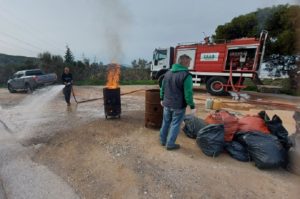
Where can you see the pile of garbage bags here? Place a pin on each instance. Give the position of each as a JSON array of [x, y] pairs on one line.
[[255, 138]]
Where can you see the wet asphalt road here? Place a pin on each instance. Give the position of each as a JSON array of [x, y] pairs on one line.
[[20, 177]]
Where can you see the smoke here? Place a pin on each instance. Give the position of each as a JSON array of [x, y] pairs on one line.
[[262, 18], [115, 20], [297, 2]]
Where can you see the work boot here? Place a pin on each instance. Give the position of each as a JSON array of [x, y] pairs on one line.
[[176, 146], [162, 144], [69, 104]]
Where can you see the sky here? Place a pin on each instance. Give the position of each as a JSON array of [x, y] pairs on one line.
[[113, 30]]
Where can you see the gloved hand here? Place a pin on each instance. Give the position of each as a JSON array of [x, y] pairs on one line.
[[69, 83], [193, 111]]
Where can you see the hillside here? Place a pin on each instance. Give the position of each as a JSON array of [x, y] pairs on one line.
[[9, 64], [13, 60]]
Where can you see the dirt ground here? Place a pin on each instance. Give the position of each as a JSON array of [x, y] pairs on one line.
[[120, 158]]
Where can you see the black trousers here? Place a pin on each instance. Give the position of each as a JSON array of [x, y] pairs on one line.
[[67, 93]]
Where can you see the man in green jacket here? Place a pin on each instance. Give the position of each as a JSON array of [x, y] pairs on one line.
[[175, 94]]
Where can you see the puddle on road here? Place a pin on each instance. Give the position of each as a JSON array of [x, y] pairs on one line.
[[86, 111]]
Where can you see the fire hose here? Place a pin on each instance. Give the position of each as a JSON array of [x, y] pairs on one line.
[[100, 98], [253, 102]]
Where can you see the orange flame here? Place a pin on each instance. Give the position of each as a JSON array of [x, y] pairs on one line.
[[113, 76]]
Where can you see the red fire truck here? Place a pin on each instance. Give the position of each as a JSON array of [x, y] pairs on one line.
[[222, 66]]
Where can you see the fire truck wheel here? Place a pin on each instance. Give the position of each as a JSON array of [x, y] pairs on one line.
[[215, 86]]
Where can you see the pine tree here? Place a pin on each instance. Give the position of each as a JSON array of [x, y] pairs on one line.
[[69, 58]]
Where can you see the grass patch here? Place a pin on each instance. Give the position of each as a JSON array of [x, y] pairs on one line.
[[90, 82], [96, 82], [284, 83], [139, 82], [250, 85]]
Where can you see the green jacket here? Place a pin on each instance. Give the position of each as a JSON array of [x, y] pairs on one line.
[[188, 86]]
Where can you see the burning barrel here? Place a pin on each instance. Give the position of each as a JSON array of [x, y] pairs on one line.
[[111, 93], [112, 102], [153, 109]]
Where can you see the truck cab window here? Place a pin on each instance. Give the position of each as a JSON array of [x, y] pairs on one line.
[[161, 54]]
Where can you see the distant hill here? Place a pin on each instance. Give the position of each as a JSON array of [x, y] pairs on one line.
[[9, 64], [13, 60]]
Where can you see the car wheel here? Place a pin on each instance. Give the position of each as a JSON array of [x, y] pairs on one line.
[[10, 89], [215, 86]]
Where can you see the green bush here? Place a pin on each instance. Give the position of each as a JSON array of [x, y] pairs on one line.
[[90, 82], [250, 85], [284, 83], [139, 82]]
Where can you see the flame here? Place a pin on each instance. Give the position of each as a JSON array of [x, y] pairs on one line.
[[113, 76]]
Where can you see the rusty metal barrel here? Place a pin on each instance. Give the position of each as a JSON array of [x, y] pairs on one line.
[[153, 109]]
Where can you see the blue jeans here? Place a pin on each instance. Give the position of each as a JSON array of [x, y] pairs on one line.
[[170, 129]]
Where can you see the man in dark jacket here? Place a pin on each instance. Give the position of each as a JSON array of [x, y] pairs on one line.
[[175, 94], [67, 79]]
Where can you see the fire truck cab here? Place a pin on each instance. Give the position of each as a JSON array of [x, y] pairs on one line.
[[222, 66]]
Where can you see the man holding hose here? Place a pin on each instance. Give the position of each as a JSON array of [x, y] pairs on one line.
[[67, 79], [175, 94]]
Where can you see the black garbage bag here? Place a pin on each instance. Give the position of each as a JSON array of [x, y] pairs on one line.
[[264, 116], [277, 129], [211, 139], [264, 149], [237, 151], [192, 126]]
